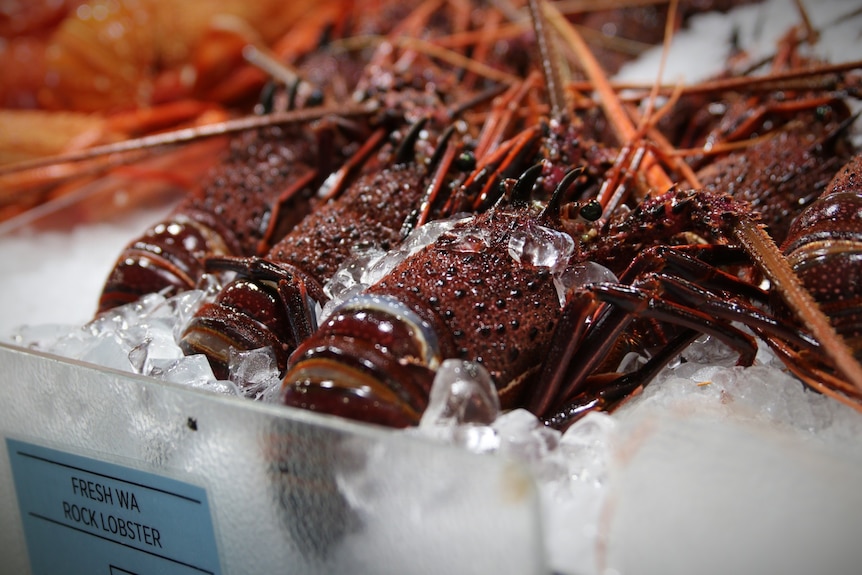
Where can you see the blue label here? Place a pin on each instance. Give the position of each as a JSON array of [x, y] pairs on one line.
[[83, 515]]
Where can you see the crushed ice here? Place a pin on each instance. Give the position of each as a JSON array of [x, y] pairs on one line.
[[570, 468], [139, 338], [255, 372]]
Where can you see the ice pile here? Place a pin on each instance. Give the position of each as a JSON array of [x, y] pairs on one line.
[[573, 470], [570, 468], [140, 338]]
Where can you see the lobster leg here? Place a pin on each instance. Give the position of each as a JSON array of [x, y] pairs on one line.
[[294, 201], [604, 395], [644, 300], [683, 305], [294, 297], [814, 377]]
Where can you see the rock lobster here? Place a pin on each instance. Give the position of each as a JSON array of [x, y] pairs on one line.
[[503, 310], [401, 185], [374, 358]]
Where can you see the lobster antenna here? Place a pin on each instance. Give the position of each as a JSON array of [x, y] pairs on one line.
[[550, 61], [813, 77], [277, 70], [444, 154], [619, 120], [668, 36], [190, 134], [442, 144]]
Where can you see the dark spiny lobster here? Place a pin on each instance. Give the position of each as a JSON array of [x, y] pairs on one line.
[[810, 147], [824, 248], [261, 190], [268, 305], [374, 358], [266, 184], [483, 291], [399, 187]]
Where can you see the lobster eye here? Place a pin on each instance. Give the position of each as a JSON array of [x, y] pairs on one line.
[[315, 98], [466, 162], [591, 211]]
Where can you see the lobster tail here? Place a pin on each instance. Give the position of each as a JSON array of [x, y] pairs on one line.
[[263, 188], [246, 315], [828, 235], [168, 256], [373, 360]]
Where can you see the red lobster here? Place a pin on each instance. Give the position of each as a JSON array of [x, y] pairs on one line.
[[374, 359], [249, 201], [268, 305], [810, 156], [824, 248], [399, 188], [266, 184]]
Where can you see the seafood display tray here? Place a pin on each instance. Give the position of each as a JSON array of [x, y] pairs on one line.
[[279, 491], [98, 466]]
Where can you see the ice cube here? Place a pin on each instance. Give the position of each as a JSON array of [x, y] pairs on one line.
[[462, 393], [106, 349], [420, 237], [158, 345], [184, 305], [194, 371], [462, 404], [539, 246], [580, 275], [429, 233], [466, 240], [349, 275], [254, 371], [585, 446], [525, 438]]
